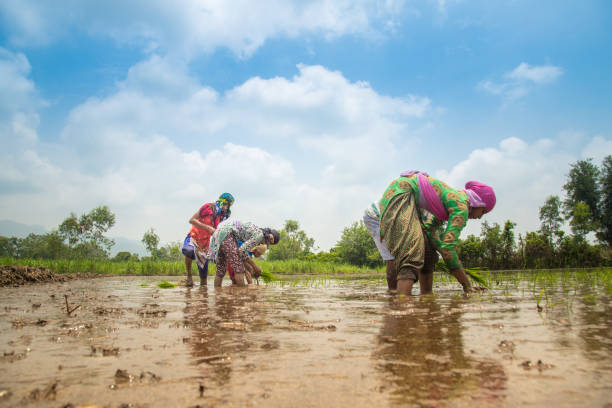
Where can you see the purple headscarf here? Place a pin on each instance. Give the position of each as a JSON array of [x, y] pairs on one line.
[[480, 195]]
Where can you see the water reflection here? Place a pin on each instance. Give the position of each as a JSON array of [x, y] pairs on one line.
[[220, 323], [422, 359]]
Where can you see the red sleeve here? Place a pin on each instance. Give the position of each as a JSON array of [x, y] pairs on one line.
[[207, 210]]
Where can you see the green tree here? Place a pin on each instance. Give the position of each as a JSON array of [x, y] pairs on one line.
[[171, 252], [582, 219], [151, 240], [294, 243], [605, 209], [85, 235], [357, 247], [492, 243], [125, 256], [538, 250], [550, 217], [471, 251], [582, 186], [9, 247], [508, 244]]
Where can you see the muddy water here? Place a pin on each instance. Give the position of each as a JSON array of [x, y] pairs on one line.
[[327, 343]]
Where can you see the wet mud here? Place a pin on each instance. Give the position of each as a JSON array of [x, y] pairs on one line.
[[18, 275], [123, 342]]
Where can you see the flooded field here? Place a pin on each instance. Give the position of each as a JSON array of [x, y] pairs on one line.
[[317, 343]]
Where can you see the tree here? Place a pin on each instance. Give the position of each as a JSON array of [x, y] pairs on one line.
[[605, 209], [471, 251], [85, 235], [550, 217], [357, 247], [171, 252], [508, 244], [582, 219], [294, 243], [9, 247], [150, 240], [538, 250], [582, 186], [492, 243], [125, 256]]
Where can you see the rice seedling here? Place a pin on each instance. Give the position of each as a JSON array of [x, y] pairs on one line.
[[166, 285]]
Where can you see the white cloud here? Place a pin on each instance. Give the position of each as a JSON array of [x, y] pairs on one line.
[[520, 81], [539, 74], [189, 27], [522, 174], [154, 153], [315, 147], [17, 92]]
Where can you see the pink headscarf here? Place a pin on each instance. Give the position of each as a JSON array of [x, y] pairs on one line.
[[428, 198], [480, 195]]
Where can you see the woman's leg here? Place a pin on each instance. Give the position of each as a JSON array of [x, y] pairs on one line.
[[404, 238], [426, 274], [229, 248], [221, 267]]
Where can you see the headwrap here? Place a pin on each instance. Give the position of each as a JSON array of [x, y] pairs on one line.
[[480, 195], [428, 198], [225, 198], [409, 173], [275, 234]]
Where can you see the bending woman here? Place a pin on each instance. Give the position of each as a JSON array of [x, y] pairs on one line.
[[411, 233], [223, 248]]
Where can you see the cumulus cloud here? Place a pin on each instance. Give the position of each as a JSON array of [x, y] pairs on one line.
[[523, 174], [189, 27], [162, 143], [517, 83], [314, 147]]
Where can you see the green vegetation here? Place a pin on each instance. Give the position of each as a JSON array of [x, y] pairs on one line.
[[166, 285], [79, 243]]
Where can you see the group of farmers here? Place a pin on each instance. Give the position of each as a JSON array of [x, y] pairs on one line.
[[407, 225], [228, 243]]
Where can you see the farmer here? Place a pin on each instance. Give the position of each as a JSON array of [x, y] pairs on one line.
[[371, 219], [204, 222], [224, 248], [412, 240]]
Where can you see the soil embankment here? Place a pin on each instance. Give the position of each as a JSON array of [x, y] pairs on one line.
[[17, 275]]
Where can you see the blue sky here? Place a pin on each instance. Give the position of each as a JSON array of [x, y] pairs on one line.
[[302, 109]]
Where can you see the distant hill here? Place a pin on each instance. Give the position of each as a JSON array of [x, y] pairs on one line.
[[15, 229]]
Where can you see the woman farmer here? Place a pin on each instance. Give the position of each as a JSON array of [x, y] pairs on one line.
[[412, 237], [224, 248], [204, 223]]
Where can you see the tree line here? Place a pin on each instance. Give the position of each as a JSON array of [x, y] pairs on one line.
[[587, 208], [83, 237]]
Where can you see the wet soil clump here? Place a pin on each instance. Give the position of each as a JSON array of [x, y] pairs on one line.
[[18, 275]]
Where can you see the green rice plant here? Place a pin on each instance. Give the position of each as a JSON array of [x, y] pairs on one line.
[[472, 273], [539, 300], [165, 285], [267, 276]]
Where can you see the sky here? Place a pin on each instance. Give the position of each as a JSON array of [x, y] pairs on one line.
[[303, 110]]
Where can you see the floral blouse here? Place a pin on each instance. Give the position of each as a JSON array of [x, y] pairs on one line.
[[247, 232], [454, 201]]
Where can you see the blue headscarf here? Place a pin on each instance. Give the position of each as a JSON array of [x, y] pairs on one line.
[[225, 198]]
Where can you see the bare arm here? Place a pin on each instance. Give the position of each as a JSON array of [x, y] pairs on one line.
[[195, 221], [247, 273], [256, 269], [461, 276]]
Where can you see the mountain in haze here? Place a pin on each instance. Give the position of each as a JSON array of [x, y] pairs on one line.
[[15, 229]]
